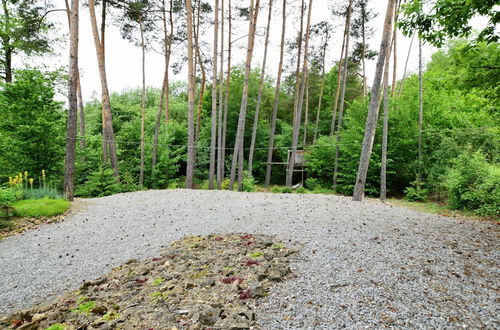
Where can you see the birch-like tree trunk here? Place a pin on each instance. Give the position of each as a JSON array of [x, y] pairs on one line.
[[69, 170], [143, 100], [191, 96], [385, 130], [213, 130], [220, 160], [277, 91], [395, 53], [226, 96], [342, 95], [240, 132], [105, 143], [297, 119], [306, 114], [371, 120], [261, 90], [107, 116]]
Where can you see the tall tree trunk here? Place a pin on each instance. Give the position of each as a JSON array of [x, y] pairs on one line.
[[69, 170], [297, 119], [385, 130], [226, 97], [167, 85], [240, 132], [406, 66], [108, 120], [203, 75], [167, 40], [299, 59], [220, 160], [143, 101], [306, 115], [394, 39], [363, 54], [6, 44], [420, 115], [213, 129], [339, 80], [277, 91], [261, 90], [320, 93], [342, 96], [371, 120], [105, 143], [191, 83]]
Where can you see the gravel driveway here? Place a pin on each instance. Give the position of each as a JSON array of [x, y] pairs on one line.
[[361, 265]]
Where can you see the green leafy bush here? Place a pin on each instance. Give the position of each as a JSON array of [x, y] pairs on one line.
[[474, 184], [276, 189], [286, 190], [301, 190], [413, 194], [312, 183], [7, 196]]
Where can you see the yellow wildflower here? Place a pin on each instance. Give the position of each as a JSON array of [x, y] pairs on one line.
[[26, 174], [43, 174], [31, 182]]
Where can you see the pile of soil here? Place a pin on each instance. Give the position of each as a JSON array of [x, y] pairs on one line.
[[198, 282]]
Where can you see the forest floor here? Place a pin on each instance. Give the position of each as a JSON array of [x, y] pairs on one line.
[[360, 264]]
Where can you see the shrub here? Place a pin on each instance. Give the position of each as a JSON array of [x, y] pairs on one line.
[[128, 183], [415, 195], [312, 183], [276, 190], [7, 197], [248, 183], [301, 190], [473, 184], [286, 190]]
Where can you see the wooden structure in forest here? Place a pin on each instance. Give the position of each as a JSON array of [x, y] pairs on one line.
[[300, 162]]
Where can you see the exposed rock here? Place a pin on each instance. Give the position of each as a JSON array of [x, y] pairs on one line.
[[196, 283]]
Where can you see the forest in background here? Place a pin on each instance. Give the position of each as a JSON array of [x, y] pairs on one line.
[[450, 153]]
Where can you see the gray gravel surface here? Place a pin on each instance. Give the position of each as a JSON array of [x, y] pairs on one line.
[[361, 265]]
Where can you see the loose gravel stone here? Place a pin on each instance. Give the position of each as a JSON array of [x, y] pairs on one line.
[[362, 264]]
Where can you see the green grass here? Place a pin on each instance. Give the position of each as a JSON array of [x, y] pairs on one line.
[[40, 207]]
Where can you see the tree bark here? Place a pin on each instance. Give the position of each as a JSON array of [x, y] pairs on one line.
[[69, 170], [105, 144], [420, 115], [213, 129], [385, 130], [108, 120], [342, 96], [371, 120], [363, 55], [296, 128], [261, 90], [220, 160], [238, 144], [323, 64], [143, 101], [394, 41], [167, 39], [191, 83], [277, 91], [306, 115], [6, 45], [226, 97], [203, 76], [339, 76]]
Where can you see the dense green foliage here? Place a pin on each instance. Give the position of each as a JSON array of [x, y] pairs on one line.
[[40, 207]]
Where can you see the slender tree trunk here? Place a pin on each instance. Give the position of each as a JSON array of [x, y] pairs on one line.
[[296, 128], [277, 91], [240, 132], [299, 59], [316, 124], [213, 130], [105, 143], [167, 85], [420, 115], [371, 120], [394, 41], [6, 44], [261, 90], [339, 80], [79, 88], [406, 66], [220, 160], [363, 55], [191, 83], [167, 39], [385, 130], [306, 115], [108, 120], [226, 97], [342, 96], [69, 170], [203, 77], [143, 101]]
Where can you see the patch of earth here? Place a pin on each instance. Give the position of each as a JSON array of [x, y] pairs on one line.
[[198, 282], [18, 225]]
